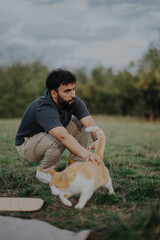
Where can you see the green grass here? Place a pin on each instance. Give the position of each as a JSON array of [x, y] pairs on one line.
[[132, 155]]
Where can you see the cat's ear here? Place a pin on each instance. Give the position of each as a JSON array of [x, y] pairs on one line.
[[63, 176], [51, 171]]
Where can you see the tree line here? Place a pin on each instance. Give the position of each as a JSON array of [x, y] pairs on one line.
[[134, 91]]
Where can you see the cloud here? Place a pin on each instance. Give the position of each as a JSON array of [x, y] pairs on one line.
[[108, 3], [110, 33], [77, 33], [46, 2], [59, 30], [70, 31]]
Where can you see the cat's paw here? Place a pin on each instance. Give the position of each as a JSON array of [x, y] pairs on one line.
[[66, 202], [111, 192], [79, 206], [69, 204]]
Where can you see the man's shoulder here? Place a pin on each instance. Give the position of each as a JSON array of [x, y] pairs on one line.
[[41, 104], [37, 102], [45, 100], [78, 100]]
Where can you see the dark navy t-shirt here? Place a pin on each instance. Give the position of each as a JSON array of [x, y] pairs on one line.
[[43, 115]]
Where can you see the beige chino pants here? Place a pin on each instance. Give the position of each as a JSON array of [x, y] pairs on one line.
[[48, 149]]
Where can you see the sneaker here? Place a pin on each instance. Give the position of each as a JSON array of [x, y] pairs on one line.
[[42, 176]]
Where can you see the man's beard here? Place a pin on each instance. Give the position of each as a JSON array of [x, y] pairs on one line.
[[64, 105]]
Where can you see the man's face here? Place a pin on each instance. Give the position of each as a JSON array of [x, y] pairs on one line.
[[66, 95]]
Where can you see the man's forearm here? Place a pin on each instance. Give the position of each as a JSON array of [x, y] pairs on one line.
[[69, 142], [73, 146]]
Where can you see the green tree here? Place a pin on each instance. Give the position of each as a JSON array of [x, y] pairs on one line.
[[20, 84], [149, 81]]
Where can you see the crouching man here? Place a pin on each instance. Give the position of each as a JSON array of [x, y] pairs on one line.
[[54, 122]]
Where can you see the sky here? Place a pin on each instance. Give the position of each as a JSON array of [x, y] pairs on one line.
[[77, 34]]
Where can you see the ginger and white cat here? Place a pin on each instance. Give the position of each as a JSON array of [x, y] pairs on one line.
[[82, 178]]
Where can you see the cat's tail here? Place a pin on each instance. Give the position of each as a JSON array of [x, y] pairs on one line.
[[101, 140], [94, 129]]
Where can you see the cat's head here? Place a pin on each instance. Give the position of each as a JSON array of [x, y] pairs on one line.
[[59, 181]]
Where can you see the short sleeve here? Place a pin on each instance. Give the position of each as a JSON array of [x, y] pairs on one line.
[[48, 117]]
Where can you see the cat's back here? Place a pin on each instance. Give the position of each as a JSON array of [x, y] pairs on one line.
[[88, 170]]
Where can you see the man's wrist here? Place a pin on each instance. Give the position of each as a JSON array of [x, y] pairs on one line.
[[86, 154]]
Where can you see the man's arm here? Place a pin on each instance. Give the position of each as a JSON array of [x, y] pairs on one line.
[[73, 145], [69, 141]]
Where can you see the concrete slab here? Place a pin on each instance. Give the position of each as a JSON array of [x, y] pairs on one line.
[[25, 229]]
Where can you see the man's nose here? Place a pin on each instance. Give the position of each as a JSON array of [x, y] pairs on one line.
[[72, 94]]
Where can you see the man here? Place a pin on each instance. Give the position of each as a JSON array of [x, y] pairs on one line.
[[54, 122]]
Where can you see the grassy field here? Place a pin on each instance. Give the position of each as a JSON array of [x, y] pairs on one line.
[[132, 155]]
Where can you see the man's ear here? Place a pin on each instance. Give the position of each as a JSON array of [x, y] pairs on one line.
[[53, 93]]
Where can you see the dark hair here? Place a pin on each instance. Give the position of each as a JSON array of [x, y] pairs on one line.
[[57, 77]]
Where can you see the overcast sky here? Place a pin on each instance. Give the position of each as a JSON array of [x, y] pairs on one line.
[[77, 33]]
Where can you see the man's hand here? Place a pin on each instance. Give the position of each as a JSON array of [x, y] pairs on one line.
[[93, 145], [93, 157]]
